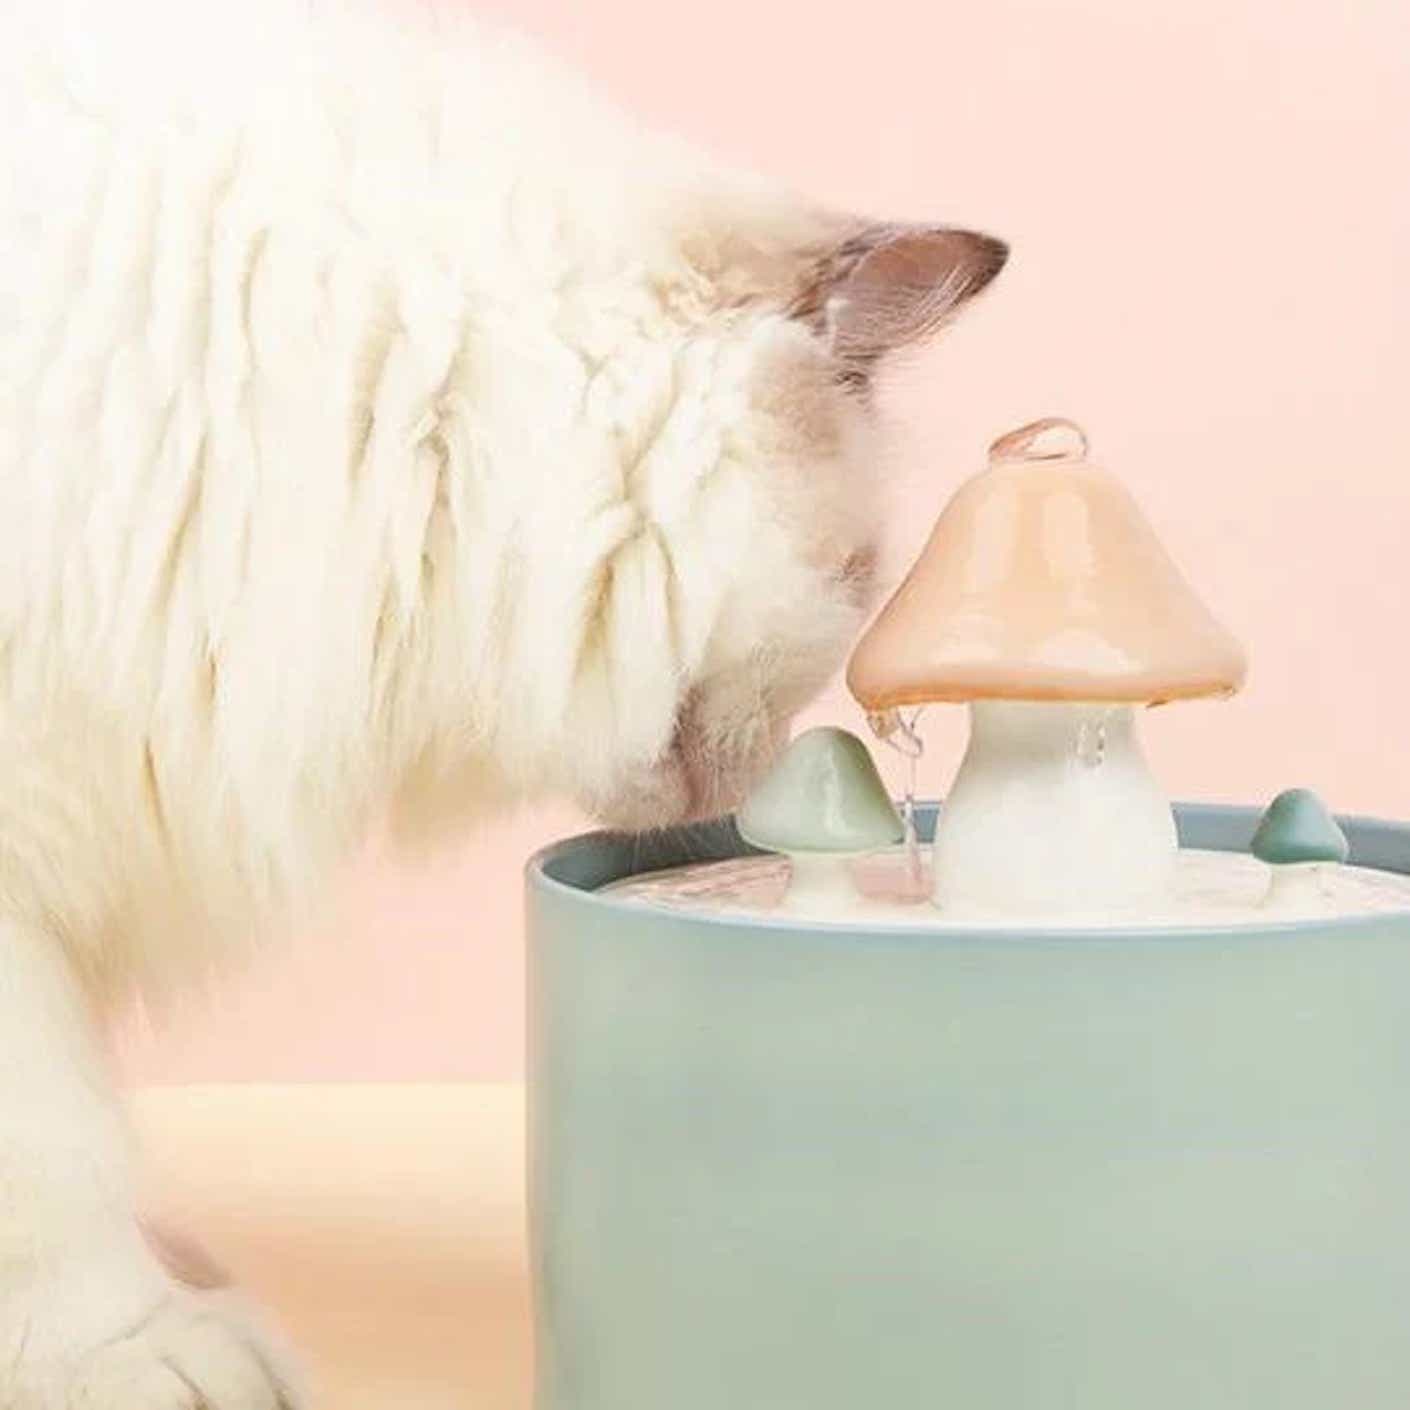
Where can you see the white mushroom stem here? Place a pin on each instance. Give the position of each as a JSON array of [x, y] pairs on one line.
[[820, 883], [1054, 811], [1299, 887]]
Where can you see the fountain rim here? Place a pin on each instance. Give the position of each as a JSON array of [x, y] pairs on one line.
[[1387, 840]]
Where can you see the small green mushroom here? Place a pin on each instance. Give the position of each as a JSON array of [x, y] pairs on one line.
[[822, 803], [1297, 837], [1298, 828]]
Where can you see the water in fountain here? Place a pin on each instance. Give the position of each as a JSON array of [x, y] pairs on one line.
[[1208, 888], [897, 731], [893, 886]]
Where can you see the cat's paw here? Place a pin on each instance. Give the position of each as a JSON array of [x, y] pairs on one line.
[[191, 1351]]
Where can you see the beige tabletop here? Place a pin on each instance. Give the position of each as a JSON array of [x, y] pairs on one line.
[[383, 1225]]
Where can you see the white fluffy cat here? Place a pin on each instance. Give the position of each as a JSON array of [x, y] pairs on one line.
[[384, 426]]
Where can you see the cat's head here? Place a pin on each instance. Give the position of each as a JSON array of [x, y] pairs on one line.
[[730, 560]]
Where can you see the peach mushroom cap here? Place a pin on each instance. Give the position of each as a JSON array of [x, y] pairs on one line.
[[1043, 580]]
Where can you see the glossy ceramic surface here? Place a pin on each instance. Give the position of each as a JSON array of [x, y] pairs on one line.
[[1042, 580], [1297, 829], [789, 1166], [823, 795]]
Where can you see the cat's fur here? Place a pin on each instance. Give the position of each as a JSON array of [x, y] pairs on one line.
[[384, 426]]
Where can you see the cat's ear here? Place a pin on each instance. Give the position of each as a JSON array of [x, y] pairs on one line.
[[892, 286]]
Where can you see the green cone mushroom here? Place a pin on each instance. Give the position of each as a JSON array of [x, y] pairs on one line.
[[1296, 837], [822, 803], [1298, 828]]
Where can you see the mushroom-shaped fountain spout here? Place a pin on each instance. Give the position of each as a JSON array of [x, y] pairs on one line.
[[1298, 837], [1044, 601], [822, 803]]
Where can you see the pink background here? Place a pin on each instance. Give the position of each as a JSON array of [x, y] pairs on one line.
[[1211, 224]]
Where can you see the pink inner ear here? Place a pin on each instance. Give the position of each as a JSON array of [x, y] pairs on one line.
[[905, 283]]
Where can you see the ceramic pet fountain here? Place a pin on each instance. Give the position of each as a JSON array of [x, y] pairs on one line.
[[1112, 1111]]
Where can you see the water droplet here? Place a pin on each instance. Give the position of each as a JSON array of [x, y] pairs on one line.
[[884, 723], [894, 729], [1092, 742]]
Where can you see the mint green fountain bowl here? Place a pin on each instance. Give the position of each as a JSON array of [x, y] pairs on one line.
[[786, 1166]]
